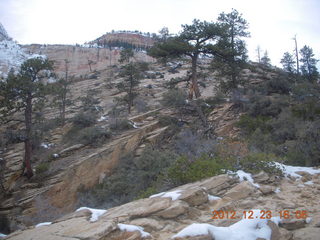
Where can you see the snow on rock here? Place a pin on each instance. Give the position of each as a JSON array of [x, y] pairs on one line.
[[132, 228], [95, 213], [277, 190], [292, 170], [12, 55], [213, 198], [46, 145], [246, 176], [43, 224], [102, 118], [173, 195], [248, 229], [2, 235], [309, 183]]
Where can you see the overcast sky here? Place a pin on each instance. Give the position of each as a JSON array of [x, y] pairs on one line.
[[272, 23]]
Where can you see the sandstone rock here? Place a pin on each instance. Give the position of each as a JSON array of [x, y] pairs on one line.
[[293, 224], [120, 235], [201, 237], [148, 224], [177, 208], [195, 196], [307, 175], [69, 150], [306, 234], [216, 184], [261, 177], [241, 191], [136, 209], [285, 234], [266, 189], [71, 229], [275, 232]]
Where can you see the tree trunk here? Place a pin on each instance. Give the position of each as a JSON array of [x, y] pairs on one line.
[[194, 88], [28, 141], [233, 61]]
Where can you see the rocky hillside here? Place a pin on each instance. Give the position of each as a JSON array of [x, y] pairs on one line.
[[83, 60], [102, 147], [3, 33], [221, 207], [121, 39]]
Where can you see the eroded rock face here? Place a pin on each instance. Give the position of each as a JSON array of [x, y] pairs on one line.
[[163, 217]]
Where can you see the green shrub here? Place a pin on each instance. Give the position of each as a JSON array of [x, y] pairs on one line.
[[93, 136], [185, 171], [42, 167], [147, 193], [132, 178], [249, 124], [309, 110], [278, 85], [120, 124], [256, 162], [175, 98], [83, 120]]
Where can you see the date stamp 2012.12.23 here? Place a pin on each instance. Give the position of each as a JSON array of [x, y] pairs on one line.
[[259, 214]]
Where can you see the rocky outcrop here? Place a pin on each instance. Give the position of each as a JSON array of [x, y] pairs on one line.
[[188, 207]]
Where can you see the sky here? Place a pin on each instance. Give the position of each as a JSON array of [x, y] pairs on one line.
[[272, 23]]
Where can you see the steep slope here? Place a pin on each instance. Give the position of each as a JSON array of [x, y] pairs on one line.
[[11, 53], [221, 207]]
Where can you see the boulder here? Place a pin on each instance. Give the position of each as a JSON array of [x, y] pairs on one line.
[[292, 224], [177, 208], [241, 191], [137, 209], [261, 177], [266, 189], [306, 234], [194, 196], [149, 224]]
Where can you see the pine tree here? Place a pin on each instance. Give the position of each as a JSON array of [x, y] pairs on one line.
[[308, 67], [61, 91], [231, 47], [265, 59], [288, 62], [21, 93], [194, 40], [131, 74]]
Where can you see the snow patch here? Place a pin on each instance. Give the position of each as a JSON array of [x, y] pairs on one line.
[[212, 198], [102, 118], [308, 220], [46, 145], [246, 176], [248, 229], [132, 228], [308, 183], [292, 170], [95, 213], [277, 190], [43, 224], [2, 235], [173, 195]]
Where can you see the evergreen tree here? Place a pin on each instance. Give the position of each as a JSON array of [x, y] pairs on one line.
[[265, 59], [194, 40], [131, 74], [61, 91], [232, 48], [21, 93], [308, 67], [126, 55], [288, 62]]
